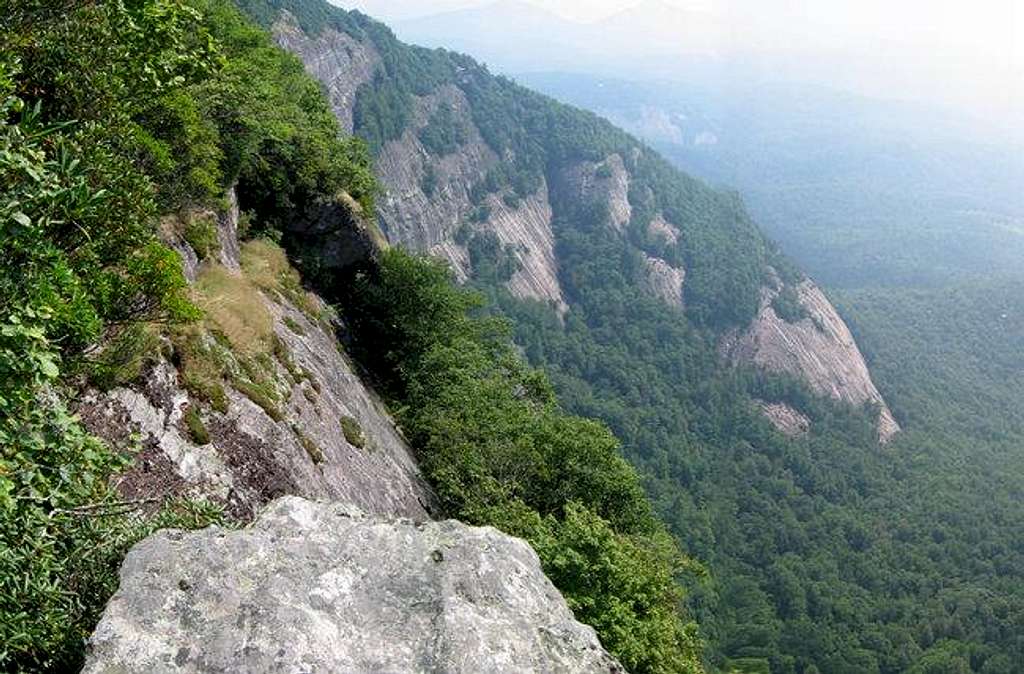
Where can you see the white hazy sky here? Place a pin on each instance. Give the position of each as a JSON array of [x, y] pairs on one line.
[[985, 30]]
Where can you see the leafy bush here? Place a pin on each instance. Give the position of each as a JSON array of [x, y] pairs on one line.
[[200, 233], [444, 132]]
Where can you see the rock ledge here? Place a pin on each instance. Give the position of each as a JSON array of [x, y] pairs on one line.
[[313, 587]]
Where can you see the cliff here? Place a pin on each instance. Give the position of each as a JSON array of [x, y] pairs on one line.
[[437, 199], [252, 405]]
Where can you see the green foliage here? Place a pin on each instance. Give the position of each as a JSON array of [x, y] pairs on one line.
[[172, 101], [499, 451], [353, 432], [201, 234], [444, 132], [788, 307], [280, 140], [294, 326], [123, 357]]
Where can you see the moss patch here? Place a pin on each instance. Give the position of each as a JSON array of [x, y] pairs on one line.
[[314, 451], [196, 428], [353, 432]]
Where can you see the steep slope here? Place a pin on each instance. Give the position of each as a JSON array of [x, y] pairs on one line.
[[484, 188], [273, 433]]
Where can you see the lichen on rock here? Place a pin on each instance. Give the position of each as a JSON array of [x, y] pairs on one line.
[[325, 588]]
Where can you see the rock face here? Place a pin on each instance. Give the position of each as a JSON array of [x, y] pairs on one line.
[[429, 199], [250, 457], [323, 588], [337, 59], [818, 349], [664, 281], [787, 420]]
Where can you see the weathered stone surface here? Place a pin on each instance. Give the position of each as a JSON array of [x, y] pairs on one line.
[[251, 458], [323, 588], [230, 254], [818, 349], [664, 281], [787, 420], [340, 61], [527, 228], [606, 183], [410, 216], [660, 227]]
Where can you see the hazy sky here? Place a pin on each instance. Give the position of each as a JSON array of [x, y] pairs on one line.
[[990, 30], [971, 50]]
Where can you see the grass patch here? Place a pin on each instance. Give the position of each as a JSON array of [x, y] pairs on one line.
[[202, 366], [123, 358], [196, 428], [353, 432], [262, 394], [294, 326], [235, 309], [266, 264]]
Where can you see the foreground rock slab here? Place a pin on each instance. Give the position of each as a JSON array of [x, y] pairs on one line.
[[312, 587]]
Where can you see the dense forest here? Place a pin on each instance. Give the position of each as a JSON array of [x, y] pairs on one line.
[[827, 553]]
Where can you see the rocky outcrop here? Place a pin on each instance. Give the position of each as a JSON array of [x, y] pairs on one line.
[[605, 184], [526, 228], [337, 59], [787, 420], [410, 215], [663, 229], [252, 453], [324, 588], [664, 281], [818, 349]]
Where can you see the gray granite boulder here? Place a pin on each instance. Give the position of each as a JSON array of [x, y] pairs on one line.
[[313, 587]]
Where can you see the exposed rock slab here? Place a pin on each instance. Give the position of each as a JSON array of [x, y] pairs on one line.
[[818, 349], [323, 588], [605, 183], [338, 60], [664, 281], [527, 228], [660, 227], [787, 420], [410, 216]]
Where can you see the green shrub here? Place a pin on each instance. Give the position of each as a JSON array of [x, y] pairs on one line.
[[353, 432], [788, 307], [312, 449], [201, 233], [499, 451], [262, 394], [122, 359]]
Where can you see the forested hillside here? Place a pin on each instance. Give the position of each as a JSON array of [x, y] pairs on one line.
[[125, 128], [827, 553]]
